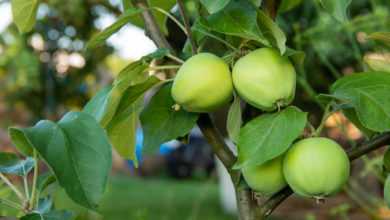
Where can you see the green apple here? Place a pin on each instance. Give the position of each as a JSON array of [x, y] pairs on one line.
[[203, 84], [265, 79], [267, 178], [316, 167]]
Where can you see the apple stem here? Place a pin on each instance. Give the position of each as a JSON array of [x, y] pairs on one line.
[[279, 104], [320, 200]]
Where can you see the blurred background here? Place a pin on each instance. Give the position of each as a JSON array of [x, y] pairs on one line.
[[47, 72]]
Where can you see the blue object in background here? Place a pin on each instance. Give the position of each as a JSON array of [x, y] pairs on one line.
[[165, 148]]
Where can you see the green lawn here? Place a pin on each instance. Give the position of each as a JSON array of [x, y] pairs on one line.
[[156, 199]]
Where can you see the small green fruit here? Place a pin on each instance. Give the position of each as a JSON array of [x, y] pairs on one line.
[[267, 178], [316, 167], [203, 84], [265, 79]]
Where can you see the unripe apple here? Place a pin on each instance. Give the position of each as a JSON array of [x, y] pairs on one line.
[[316, 167], [265, 79], [267, 178], [203, 84]]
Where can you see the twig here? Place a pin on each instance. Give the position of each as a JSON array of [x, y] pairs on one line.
[[166, 67], [35, 178], [325, 116], [180, 25], [175, 58], [216, 140], [217, 38], [187, 25], [25, 186], [309, 90], [270, 205], [12, 186], [151, 25], [371, 145]]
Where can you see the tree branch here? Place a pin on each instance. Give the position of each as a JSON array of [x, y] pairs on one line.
[[247, 204], [151, 26], [216, 140], [187, 25], [371, 145], [272, 203]]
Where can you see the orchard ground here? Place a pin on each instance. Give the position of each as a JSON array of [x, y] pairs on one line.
[[167, 199]]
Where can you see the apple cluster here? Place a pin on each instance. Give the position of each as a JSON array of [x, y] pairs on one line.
[[313, 167]]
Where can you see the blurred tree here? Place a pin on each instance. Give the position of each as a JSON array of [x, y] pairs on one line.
[[47, 71]]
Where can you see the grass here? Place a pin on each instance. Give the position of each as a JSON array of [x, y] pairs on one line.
[[130, 198]]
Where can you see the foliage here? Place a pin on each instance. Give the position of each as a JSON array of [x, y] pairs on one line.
[[160, 115], [268, 136], [24, 13], [229, 28], [367, 93], [79, 140]]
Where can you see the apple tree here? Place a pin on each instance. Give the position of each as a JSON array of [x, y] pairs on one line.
[[237, 55]]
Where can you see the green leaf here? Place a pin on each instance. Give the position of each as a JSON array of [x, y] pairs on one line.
[[131, 96], [24, 14], [117, 108], [272, 31], [381, 36], [126, 4], [122, 128], [350, 113], [287, 5], [20, 142], [11, 164], [100, 38], [268, 136], [337, 8], [368, 93], [378, 61], [239, 18], [122, 134], [257, 3], [53, 215], [98, 105], [213, 6], [234, 119], [44, 181], [161, 123], [158, 54], [5, 191], [131, 73], [297, 56], [104, 105], [387, 191], [44, 205], [386, 161], [78, 151]]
